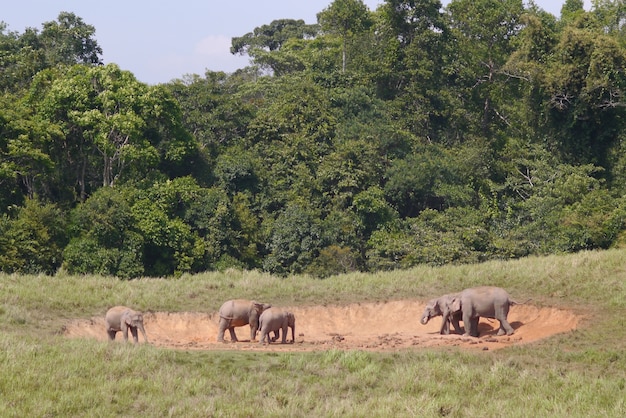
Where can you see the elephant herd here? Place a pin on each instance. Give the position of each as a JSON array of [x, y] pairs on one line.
[[468, 305], [262, 318]]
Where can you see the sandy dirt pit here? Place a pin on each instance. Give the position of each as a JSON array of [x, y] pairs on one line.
[[383, 326]]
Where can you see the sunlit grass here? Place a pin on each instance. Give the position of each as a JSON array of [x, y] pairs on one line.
[[578, 374]]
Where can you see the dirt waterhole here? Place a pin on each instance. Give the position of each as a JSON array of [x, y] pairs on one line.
[[379, 326]]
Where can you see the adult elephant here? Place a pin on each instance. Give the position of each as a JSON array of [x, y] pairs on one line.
[[122, 318], [486, 301], [237, 313], [443, 306], [275, 319]]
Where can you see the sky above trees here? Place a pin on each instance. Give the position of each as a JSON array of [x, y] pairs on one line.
[[162, 41]]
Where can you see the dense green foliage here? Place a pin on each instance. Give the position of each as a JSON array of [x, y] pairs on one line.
[[372, 140]]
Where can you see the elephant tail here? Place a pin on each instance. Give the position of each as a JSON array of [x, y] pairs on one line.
[[513, 302]]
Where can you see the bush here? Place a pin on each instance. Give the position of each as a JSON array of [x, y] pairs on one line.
[[33, 241]]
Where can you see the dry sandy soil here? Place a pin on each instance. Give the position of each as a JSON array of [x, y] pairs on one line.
[[384, 326]]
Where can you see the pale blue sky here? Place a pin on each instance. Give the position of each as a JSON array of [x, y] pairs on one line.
[[162, 40]]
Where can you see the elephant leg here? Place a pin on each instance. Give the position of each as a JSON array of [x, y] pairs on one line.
[[111, 334], [456, 325], [444, 329], [264, 334], [125, 331], [253, 330], [285, 329], [233, 336], [474, 326], [222, 328], [505, 327], [467, 321], [133, 330]]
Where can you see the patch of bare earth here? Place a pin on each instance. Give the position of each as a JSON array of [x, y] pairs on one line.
[[383, 326]]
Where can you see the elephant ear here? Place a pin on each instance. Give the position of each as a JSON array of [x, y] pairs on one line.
[[455, 304], [127, 318], [257, 306]]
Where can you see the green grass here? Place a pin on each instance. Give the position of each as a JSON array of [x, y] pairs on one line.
[[578, 374]]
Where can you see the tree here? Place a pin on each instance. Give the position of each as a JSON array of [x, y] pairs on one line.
[[571, 9], [69, 40], [33, 239], [104, 237], [20, 58], [294, 242], [213, 111], [265, 43], [412, 43], [611, 15], [112, 124], [346, 18], [485, 31], [454, 235], [66, 41], [584, 85], [534, 47], [282, 47], [272, 37], [290, 136], [25, 167]]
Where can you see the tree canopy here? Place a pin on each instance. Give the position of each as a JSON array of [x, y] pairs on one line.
[[372, 139]]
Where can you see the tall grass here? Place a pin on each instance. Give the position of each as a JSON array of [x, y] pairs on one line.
[[578, 374]]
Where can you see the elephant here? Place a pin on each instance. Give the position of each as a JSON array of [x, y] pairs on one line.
[[485, 301], [275, 319], [442, 306], [121, 318], [237, 313]]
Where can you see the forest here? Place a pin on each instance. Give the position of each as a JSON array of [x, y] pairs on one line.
[[371, 140]]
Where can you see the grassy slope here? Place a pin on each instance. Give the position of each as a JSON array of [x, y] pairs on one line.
[[577, 374]]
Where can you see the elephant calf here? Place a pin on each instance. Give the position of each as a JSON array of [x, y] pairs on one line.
[[121, 318], [275, 319], [237, 313], [443, 306]]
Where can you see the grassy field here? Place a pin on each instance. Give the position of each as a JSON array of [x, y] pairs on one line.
[[578, 374]]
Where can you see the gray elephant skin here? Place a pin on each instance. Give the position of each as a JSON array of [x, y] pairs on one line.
[[485, 301], [275, 319], [442, 306], [237, 313], [122, 318]]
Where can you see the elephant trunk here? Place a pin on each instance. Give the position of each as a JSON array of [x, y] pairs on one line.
[[143, 331], [425, 319]]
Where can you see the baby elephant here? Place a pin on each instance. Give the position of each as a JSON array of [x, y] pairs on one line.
[[442, 306], [121, 318], [274, 319]]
